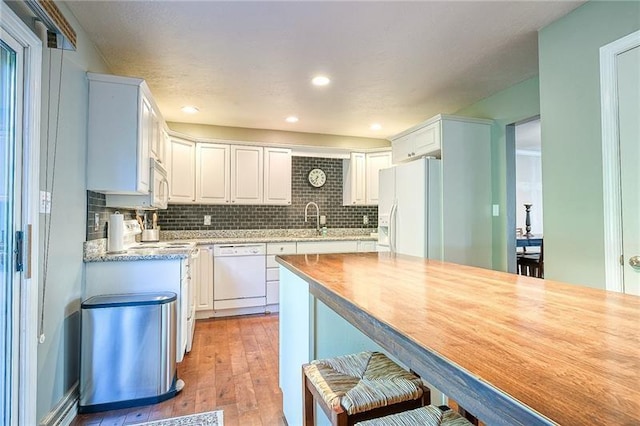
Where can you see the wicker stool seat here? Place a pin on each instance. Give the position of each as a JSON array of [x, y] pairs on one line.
[[425, 416], [357, 387]]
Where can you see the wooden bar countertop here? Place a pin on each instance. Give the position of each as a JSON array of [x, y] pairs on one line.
[[510, 349]]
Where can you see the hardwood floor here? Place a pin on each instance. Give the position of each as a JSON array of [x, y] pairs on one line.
[[233, 366]]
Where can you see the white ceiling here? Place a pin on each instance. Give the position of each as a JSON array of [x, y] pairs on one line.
[[249, 64]]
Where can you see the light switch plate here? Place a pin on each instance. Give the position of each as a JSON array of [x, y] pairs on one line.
[[496, 210], [45, 202], [207, 219]]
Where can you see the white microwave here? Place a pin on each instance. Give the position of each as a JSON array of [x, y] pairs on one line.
[[157, 198]]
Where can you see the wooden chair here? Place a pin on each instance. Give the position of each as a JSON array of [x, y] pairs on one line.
[[532, 265], [425, 416], [357, 387]]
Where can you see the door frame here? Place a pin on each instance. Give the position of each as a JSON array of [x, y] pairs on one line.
[[612, 196], [28, 293]]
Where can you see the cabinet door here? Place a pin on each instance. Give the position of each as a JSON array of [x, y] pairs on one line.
[[246, 174], [402, 148], [354, 179], [204, 289], [155, 136], [213, 173], [146, 133], [366, 246], [375, 162], [277, 176], [426, 141], [181, 171]]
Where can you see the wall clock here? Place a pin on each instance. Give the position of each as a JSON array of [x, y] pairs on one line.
[[317, 177]]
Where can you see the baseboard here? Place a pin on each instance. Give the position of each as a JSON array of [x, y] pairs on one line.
[[66, 410]]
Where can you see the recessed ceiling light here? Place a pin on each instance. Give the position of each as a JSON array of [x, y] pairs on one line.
[[190, 109], [320, 80], [291, 119], [376, 126]]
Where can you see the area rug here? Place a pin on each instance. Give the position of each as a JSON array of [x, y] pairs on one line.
[[210, 418]]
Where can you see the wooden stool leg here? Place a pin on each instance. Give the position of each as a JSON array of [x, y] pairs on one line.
[[339, 419], [308, 405]]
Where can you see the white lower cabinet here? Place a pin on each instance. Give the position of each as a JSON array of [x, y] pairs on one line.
[[204, 290], [210, 304], [367, 246], [273, 272], [144, 276]]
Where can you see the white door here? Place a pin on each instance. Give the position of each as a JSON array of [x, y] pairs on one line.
[[20, 74], [10, 133], [629, 128]]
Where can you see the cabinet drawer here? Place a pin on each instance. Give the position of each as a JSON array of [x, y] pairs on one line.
[[281, 248], [273, 274], [327, 247], [273, 292]]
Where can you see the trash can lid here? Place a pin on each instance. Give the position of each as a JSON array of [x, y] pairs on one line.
[[132, 299]]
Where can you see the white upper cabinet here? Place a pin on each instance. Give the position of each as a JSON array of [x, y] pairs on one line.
[[120, 132], [181, 171], [247, 168], [354, 179], [158, 138], [374, 162], [424, 139], [277, 176], [213, 173], [360, 177]]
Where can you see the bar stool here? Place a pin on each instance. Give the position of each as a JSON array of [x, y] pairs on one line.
[[424, 416], [357, 387]]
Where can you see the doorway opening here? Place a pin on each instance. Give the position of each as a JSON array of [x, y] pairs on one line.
[[524, 192]]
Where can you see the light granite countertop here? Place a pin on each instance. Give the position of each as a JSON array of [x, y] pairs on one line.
[[166, 249]]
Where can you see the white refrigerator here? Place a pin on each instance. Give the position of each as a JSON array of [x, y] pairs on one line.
[[410, 209]]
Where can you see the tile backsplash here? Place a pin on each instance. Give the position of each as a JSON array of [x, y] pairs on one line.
[[96, 203], [329, 198]]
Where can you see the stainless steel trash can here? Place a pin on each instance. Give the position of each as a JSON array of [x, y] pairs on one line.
[[128, 351]]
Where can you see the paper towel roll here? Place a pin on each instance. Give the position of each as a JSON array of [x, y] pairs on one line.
[[116, 233]]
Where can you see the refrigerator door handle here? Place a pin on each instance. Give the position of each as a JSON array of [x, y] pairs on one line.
[[392, 228]]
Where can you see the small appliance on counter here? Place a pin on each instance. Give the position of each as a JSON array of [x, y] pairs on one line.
[[121, 233]]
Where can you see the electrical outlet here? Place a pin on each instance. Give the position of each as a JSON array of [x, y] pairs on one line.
[[365, 219], [96, 221], [496, 210], [207, 219]]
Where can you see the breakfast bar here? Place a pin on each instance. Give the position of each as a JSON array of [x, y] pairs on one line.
[[510, 349]]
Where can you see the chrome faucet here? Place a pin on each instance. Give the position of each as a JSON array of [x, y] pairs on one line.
[[311, 203]]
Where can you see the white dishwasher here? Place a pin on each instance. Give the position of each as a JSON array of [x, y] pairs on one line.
[[239, 279]]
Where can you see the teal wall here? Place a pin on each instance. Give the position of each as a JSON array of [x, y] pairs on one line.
[[514, 104], [572, 138]]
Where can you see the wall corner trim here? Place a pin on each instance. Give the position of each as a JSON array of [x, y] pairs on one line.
[[610, 159], [66, 410]]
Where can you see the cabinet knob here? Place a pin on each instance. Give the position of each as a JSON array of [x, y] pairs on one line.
[[281, 248]]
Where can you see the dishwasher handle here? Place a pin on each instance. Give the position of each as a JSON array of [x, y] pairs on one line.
[[222, 250]]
